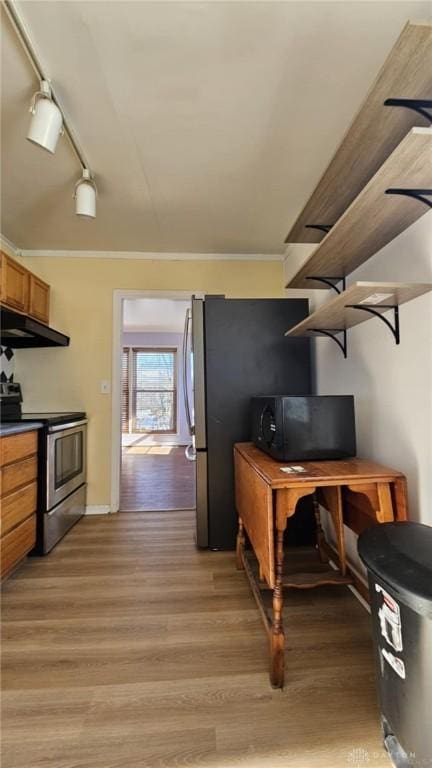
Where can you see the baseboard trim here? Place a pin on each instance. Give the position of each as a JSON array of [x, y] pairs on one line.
[[98, 509]]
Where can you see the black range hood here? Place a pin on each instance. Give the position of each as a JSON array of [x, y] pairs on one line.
[[22, 332]]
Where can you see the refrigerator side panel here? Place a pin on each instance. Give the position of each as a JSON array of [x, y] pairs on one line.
[[201, 500], [199, 374], [247, 354]]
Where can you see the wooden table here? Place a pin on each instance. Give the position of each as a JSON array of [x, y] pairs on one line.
[[356, 492]]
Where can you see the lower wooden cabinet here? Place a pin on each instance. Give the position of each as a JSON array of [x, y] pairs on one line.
[[15, 545], [16, 474], [18, 506], [13, 448], [18, 490]]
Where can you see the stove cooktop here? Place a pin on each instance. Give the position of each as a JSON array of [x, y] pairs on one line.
[[59, 417]]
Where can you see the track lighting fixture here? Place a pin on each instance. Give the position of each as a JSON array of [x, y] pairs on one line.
[[85, 195], [46, 122]]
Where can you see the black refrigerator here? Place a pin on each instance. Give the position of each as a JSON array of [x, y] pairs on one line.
[[234, 349]]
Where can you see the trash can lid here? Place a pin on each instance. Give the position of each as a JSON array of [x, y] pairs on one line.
[[400, 554]]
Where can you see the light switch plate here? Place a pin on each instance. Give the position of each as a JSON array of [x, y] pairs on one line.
[[105, 387]]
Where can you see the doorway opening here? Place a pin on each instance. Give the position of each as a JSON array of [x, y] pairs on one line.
[[155, 473]]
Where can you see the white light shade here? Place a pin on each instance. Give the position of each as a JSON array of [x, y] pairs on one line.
[[45, 125], [85, 197]]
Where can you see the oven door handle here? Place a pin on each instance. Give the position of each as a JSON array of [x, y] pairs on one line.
[[71, 425]]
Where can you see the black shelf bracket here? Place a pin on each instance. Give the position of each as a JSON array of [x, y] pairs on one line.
[[419, 194], [322, 227], [373, 311], [330, 281], [418, 105], [332, 334]]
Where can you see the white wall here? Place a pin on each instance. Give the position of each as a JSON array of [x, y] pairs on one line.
[[161, 339], [392, 384]]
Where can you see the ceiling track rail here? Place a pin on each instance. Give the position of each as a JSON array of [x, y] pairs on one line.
[[41, 73]]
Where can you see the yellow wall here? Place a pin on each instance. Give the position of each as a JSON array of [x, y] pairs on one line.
[[81, 306]]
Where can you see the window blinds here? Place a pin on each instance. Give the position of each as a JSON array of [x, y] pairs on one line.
[[152, 391], [125, 390]]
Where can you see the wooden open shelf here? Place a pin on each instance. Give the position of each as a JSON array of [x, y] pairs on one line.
[[374, 133], [336, 315], [374, 218]]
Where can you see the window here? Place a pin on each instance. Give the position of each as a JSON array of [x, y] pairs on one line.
[[149, 392]]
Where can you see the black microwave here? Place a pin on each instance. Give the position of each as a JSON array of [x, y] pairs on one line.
[[304, 428]]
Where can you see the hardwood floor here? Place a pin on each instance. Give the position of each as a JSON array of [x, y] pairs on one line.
[[156, 478], [127, 647]]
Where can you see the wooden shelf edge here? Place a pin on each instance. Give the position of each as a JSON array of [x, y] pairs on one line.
[[336, 314], [350, 242], [379, 128]]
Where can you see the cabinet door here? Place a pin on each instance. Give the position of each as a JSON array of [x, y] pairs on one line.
[[17, 506], [17, 447], [39, 295], [14, 284], [16, 544]]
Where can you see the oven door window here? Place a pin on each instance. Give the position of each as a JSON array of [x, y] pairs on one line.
[[69, 458]]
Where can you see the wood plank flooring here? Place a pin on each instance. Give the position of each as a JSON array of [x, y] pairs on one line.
[[128, 648], [156, 478]]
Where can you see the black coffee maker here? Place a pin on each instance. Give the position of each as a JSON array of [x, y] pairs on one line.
[[10, 401]]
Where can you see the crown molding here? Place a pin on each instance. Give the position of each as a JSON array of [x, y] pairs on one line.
[[10, 247], [153, 256]]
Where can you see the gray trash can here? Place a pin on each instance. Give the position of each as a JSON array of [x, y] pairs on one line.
[[398, 557]]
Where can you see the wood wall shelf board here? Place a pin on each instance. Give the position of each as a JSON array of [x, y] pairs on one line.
[[374, 133], [336, 315], [374, 218]]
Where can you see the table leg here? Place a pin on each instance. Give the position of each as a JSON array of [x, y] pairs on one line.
[[286, 502], [240, 546], [400, 498], [320, 537], [277, 635], [332, 497]]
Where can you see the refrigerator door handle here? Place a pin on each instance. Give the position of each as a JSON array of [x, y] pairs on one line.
[[190, 452], [185, 377], [199, 387]]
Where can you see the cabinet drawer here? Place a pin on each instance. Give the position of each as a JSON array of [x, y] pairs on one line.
[[14, 284], [17, 506], [16, 447], [39, 296], [15, 545], [16, 475]]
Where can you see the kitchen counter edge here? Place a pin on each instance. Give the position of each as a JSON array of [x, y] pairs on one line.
[[15, 427]]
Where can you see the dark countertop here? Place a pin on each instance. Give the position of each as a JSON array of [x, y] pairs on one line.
[[15, 427]]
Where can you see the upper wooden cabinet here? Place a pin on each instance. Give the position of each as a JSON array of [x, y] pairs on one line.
[[14, 284], [39, 294], [23, 291]]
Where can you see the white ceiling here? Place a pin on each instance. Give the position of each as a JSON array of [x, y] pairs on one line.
[[153, 315], [207, 124]]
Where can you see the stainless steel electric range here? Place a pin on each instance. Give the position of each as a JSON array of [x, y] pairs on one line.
[[62, 472]]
